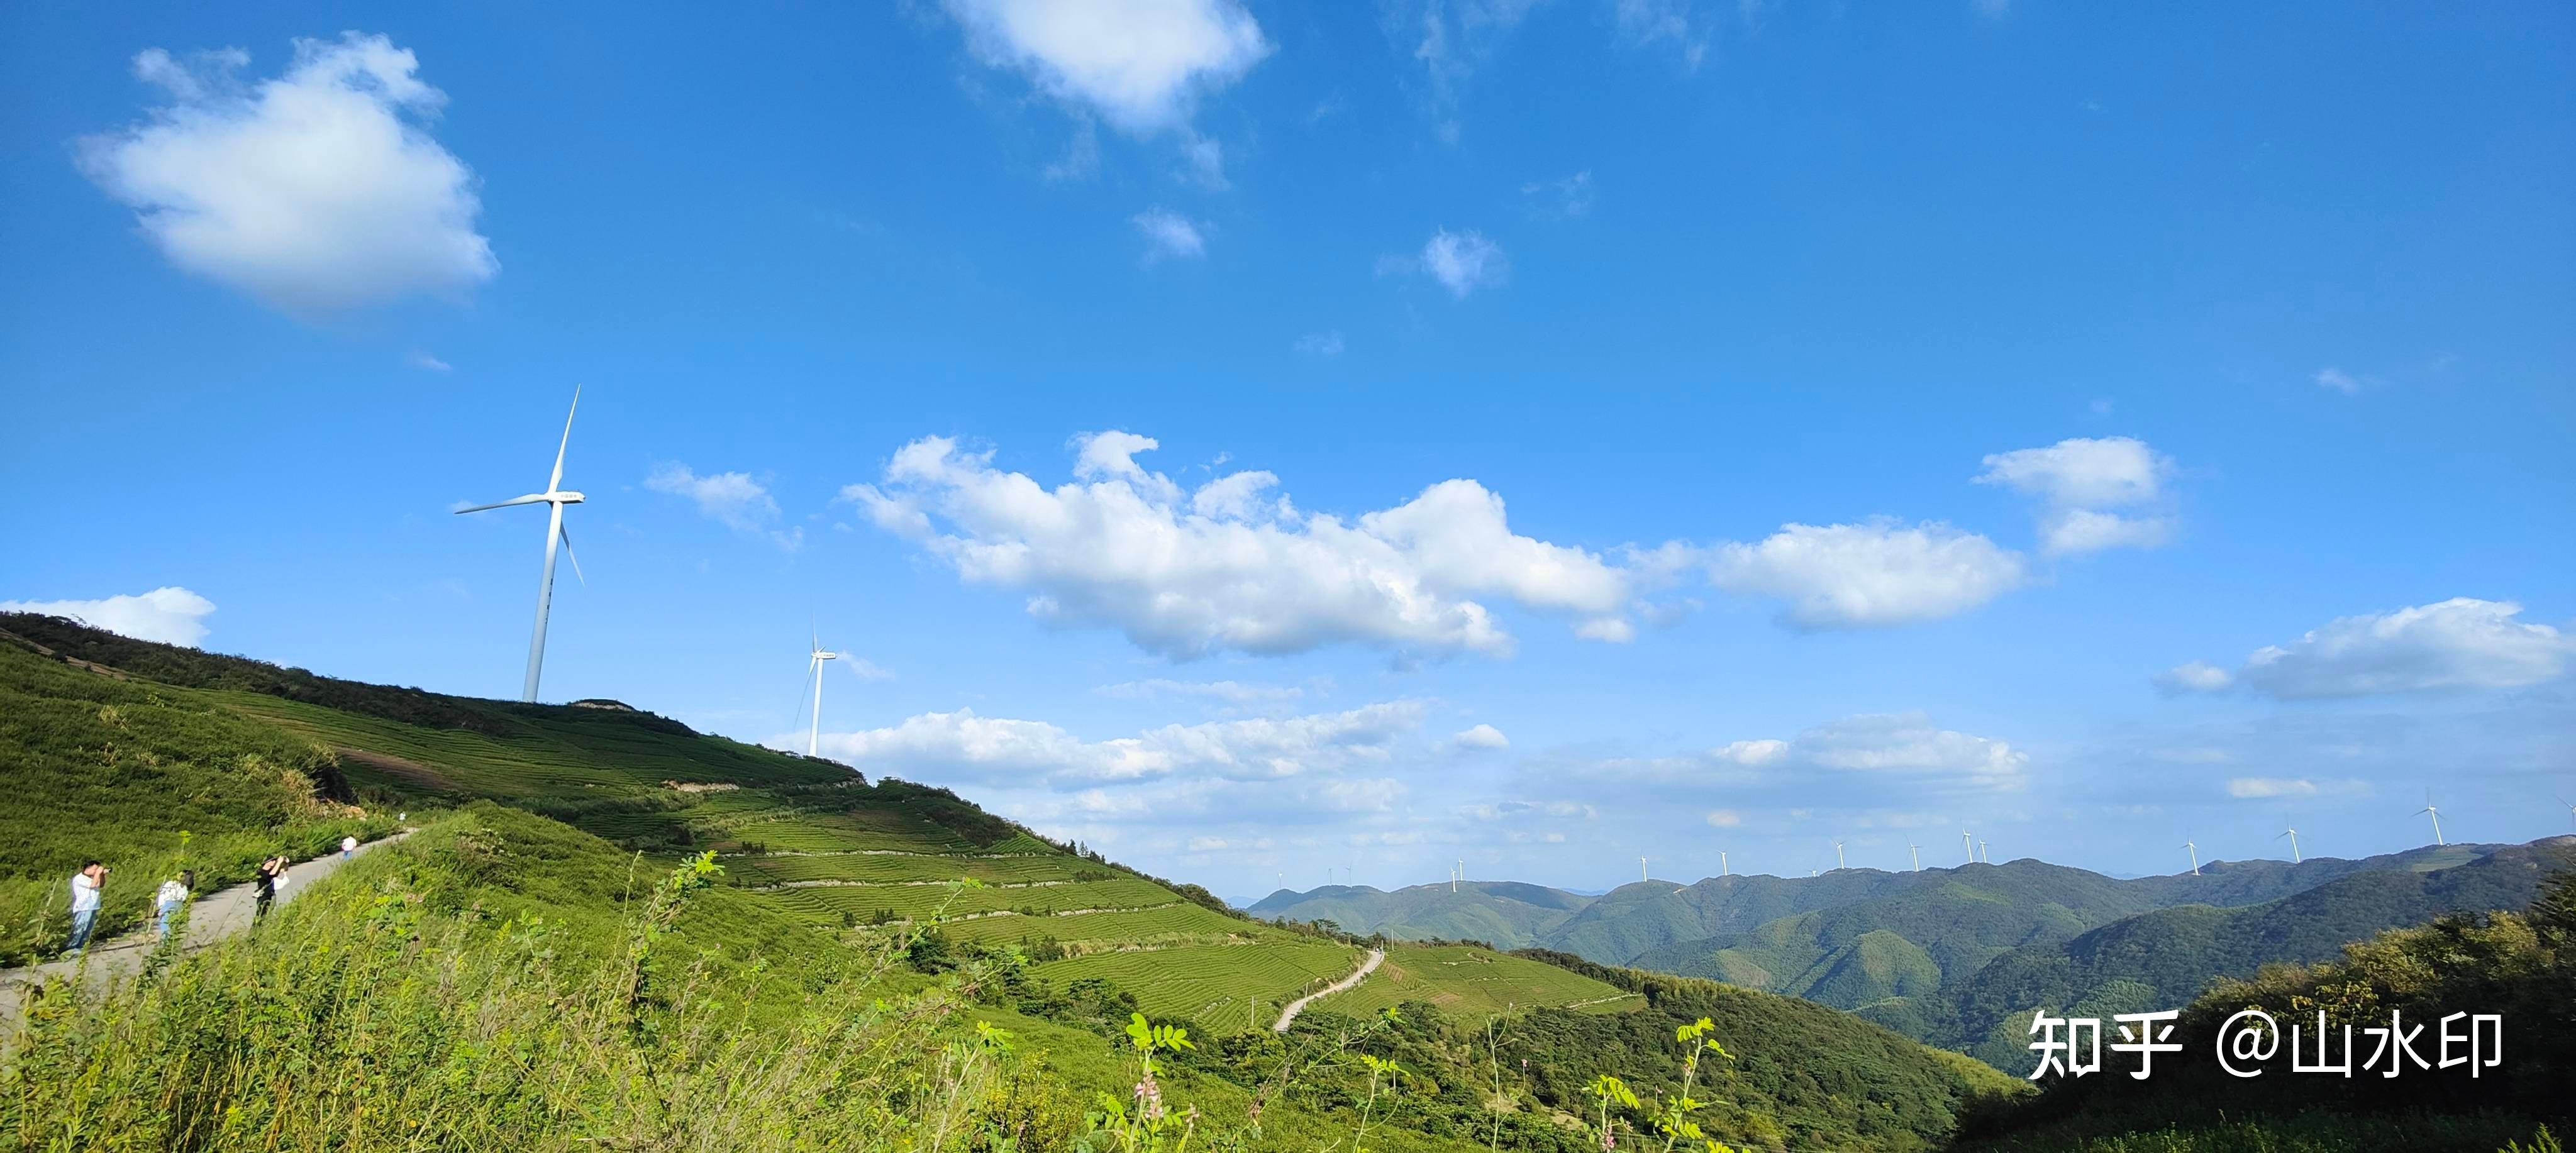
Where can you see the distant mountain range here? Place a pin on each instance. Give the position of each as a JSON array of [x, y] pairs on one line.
[[1961, 956]]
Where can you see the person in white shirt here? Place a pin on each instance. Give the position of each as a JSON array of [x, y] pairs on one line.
[[173, 893], [348, 845], [85, 886]]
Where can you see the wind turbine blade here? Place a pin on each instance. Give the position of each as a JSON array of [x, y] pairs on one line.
[[566, 534], [556, 481], [531, 498]]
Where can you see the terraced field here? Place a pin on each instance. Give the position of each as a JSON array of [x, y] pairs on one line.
[[1217, 985], [1171, 924], [1472, 981]]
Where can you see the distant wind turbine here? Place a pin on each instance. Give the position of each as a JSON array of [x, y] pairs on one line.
[[2429, 811], [1982, 854], [1968, 842], [555, 498], [1838, 854], [1916, 851], [2195, 857], [1641, 870], [2293, 834], [1721, 864], [2571, 808]]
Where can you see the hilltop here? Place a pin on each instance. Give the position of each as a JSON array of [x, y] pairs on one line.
[[803, 896]]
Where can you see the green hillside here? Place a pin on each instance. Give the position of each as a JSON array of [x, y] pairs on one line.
[[1472, 982], [2163, 959], [611, 898]]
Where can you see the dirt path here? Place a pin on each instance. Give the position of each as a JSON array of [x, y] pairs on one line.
[[211, 918], [1288, 1016]]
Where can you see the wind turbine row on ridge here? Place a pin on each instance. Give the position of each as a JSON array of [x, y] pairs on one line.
[[555, 497]]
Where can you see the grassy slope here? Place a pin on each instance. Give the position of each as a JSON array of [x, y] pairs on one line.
[[813, 857], [1472, 982], [117, 769]]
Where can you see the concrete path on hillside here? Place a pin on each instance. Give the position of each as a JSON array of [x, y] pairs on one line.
[[1288, 1016], [211, 918]]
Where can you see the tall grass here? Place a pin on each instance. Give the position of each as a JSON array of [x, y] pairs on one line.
[[359, 1018]]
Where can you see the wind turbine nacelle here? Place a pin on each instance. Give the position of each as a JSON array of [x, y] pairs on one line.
[[561, 497]]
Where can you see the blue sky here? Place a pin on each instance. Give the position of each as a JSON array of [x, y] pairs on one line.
[[1699, 426]]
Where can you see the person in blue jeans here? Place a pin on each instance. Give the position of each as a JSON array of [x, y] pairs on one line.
[[174, 893], [85, 887]]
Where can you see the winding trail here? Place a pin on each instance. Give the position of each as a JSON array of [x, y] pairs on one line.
[[211, 918], [1288, 1016]]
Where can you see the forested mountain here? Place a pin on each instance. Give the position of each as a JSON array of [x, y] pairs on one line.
[[2162, 959]]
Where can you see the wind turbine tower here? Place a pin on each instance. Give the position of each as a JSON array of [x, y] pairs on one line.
[[2293, 834], [1721, 864], [1983, 854], [2571, 809], [2429, 811], [1916, 851], [554, 498], [1641, 870], [2195, 857], [1838, 854], [1968, 842]]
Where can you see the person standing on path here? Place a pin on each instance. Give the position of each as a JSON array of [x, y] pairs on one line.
[[272, 873], [348, 845], [85, 886], [173, 893]]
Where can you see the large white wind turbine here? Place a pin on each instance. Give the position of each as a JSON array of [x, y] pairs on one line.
[[1982, 854], [814, 672], [2429, 811], [554, 498], [1641, 871], [2195, 857], [1721, 864], [1838, 854], [2293, 834], [1916, 851], [2571, 808], [1968, 842]]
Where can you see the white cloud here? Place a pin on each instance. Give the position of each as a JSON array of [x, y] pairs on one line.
[[2267, 788], [2337, 380], [867, 670], [1463, 261], [2194, 677], [1481, 737], [1725, 818], [1762, 752], [1566, 198], [2461, 643], [1320, 343], [169, 614], [1863, 575], [2080, 480], [316, 191], [734, 498], [965, 745], [2082, 472], [2085, 530], [1908, 743], [1613, 630], [1140, 64], [1168, 234], [1229, 567], [419, 359]]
